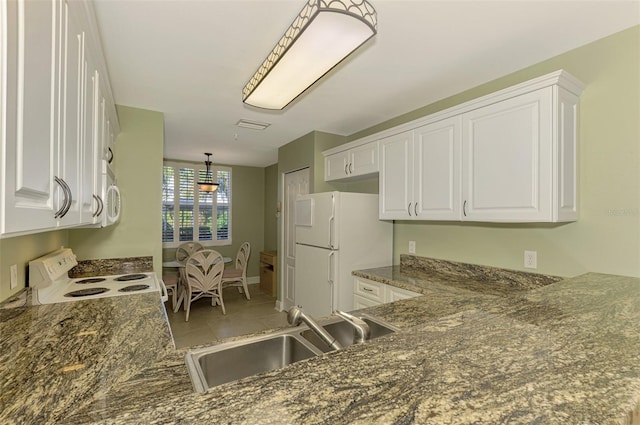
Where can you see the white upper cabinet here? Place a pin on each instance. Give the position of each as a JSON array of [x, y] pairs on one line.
[[49, 104], [508, 161], [419, 178], [505, 157], [437, 158], [350, 161], [396, 176], [29, 167]]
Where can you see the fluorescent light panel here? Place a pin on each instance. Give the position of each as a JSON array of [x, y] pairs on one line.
[[323, 34]]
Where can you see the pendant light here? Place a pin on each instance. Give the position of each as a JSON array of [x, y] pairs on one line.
[[208, 185], [320, 37]]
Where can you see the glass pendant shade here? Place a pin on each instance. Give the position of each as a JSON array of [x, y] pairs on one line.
[[208, 185], [324, 33]]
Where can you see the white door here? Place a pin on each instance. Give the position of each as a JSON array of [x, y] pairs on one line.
[[295, 183], [315, 277], [396, 174]]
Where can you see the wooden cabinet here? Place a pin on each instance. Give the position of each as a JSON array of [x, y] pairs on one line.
[[351, 161], [506, 157], [269, 272], [49, 139], [369, 293]]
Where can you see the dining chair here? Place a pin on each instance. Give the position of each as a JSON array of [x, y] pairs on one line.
[[203, 272], [237, 277], [171, 283], [184, 251]]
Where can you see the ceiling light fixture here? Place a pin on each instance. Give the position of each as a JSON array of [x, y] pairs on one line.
[[208, 185], [322, 35]]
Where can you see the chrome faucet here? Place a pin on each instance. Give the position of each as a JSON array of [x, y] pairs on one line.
[[295, 316], [361, 331]]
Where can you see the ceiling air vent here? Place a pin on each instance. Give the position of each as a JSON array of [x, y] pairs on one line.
[[254, 125]]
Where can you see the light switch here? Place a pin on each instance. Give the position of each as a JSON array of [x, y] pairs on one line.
[[412, 247]]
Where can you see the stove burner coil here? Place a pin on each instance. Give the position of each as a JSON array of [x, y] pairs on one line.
[[134, 288], [90, 280], [86, 292], [129, 277]]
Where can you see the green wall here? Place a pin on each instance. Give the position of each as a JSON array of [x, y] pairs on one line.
[[247, 216], [138, 162], [271, 208], [606, 237], [20, 250]]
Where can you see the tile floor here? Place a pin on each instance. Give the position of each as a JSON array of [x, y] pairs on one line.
[[207, 324]]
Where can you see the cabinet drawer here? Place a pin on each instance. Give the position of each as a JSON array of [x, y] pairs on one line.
[[369, 289], [361, 302]]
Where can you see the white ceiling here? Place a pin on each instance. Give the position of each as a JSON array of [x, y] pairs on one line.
[[190, 60]]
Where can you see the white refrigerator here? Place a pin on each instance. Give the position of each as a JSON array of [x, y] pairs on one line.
[[336, 233]]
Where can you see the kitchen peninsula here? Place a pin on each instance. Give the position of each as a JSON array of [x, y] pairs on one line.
[[480, 346]]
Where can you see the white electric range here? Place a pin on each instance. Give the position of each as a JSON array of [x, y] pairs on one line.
[[50, 281]]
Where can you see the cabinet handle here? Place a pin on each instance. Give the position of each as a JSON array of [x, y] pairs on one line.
[[364, 288], [69, 198], [464, 208], [350, 168], [346, 168], [99, 205], [409, 209], [66, 203], [415, 209], [110, 160]]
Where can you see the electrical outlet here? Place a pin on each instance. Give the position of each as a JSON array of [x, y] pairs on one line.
[[14, 276], [412, 247], [531, 259]]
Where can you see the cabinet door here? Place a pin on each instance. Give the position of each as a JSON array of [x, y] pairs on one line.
[[396, 294], [71, 62], [30, 139], [363, 159], [91, 173], [336, 166], [507, 160], [360, 302], [396, 171], [436, 176]]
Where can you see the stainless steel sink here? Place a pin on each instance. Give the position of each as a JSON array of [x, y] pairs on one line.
[[231, 361], [343, 332], [235, 360]]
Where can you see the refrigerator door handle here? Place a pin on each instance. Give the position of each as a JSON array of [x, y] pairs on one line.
[[329, 274], [332, 220]]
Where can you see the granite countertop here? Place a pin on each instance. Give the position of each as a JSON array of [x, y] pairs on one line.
[[560, 352]]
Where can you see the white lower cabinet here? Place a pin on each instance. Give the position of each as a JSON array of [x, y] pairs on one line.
[[507, 157], [369, 293]]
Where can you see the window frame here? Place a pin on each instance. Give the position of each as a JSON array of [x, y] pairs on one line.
[[197, 168]]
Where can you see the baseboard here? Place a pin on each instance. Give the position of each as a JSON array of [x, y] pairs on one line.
[[253, 280]]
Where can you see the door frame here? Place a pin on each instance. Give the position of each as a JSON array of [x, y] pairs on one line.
[[280, 304]]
